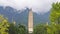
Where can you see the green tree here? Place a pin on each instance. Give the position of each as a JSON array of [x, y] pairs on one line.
[[55, 13], [3, 25], [21, 29], [54, 28], [13, 29], [17, 29], [40, 29]]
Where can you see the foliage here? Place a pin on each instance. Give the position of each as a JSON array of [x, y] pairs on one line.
[[54, 27], [3, 25], [17, 29], [47, 29], [40, 29], [13, 29], [10, 28], [21, 29], [55, 13]]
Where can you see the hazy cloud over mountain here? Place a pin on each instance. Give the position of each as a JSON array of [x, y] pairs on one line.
[[37, 5]]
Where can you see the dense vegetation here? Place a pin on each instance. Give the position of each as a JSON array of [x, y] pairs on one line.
[[53, 28], [10, 28]]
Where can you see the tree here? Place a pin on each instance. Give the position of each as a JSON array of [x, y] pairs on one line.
[[21, 29], [13, 29], [17, 29], [3, 25], [55, 13], [40, 29], [54, 28]]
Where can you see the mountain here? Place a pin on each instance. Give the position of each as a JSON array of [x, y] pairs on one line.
[[39, 18], [21, 16]]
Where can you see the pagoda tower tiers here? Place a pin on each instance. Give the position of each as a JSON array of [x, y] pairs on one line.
[[30, 22]]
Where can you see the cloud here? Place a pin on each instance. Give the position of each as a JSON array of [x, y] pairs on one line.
[[39, 6]]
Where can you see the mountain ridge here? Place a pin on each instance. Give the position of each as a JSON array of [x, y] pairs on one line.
[[22, 17]]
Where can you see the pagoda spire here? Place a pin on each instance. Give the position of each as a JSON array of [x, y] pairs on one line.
[[30, 22]]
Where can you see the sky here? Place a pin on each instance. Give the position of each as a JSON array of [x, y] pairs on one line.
[[38, 6]]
